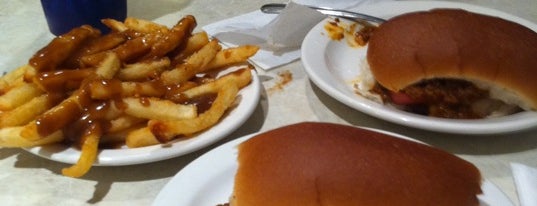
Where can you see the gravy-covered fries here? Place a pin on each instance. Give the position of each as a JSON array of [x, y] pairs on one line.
[[142, 84]]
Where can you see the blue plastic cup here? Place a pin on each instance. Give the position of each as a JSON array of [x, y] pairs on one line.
[[64, 15]]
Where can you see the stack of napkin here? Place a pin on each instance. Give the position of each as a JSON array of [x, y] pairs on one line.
[[278, 35]]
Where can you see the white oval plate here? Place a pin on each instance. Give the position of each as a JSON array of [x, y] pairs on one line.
[[332, 65], [249, 98], [208, 180]]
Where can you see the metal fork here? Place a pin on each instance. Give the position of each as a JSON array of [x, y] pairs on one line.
[[276, 8]]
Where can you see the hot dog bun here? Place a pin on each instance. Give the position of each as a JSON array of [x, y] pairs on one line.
[[329, 164], [491, 52]]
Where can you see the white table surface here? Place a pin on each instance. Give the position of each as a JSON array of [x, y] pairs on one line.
[[26, 179]]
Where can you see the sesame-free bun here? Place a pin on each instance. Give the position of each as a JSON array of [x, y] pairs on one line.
[[311, 164], [451, 43]]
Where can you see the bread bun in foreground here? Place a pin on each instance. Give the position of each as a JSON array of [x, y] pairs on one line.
[[329, 164], [491, 52]]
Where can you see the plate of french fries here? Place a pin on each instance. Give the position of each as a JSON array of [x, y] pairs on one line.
[[142, 93]]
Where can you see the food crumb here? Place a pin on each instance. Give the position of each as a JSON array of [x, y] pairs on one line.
[[356, 33], [285, 77]]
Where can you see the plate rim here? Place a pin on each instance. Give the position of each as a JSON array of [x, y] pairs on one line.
[[169, 191], [154, 153], [316, 43]]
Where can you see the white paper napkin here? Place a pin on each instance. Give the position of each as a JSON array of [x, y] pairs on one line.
[[525, 178], [278, 35]]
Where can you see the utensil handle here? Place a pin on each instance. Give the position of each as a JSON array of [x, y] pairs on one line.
[[276, 8]]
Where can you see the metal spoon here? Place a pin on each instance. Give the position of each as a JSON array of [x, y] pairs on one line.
[[276, 8]]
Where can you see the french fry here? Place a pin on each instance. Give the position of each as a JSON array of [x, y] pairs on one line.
[[101, 89], [231, 56], [104, 89], [143, 89], [143, 70], [193, 44], [118, 138], [193, 65], [18, 96], [59, 49], [140, 138], [10, 137], [144, 26], [114, 25], [126, 52], [55, 118], [175, 37], [29, 74], [109, 66], [27, 112], [239, 78], [136, 47], [165, 131], [92, 60], [102, 44], [106, 42], [155, 108], [88, 154], [61, 80], [124, 122], [203, 56], [109, 112], [11, 78]]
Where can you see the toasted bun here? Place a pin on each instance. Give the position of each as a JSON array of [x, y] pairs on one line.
[[328, 164], [453, 43]]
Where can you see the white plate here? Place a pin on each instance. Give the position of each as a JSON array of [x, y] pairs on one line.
[[249, 98], [331, 65], [208, 180]]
